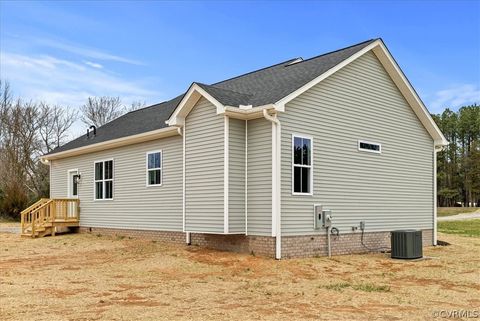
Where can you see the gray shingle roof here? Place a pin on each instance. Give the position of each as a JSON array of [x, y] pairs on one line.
[[257, 88]]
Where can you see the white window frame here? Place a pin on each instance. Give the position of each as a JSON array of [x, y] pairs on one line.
[[157, 168], [369, 150], [95, 181], [295, 135]]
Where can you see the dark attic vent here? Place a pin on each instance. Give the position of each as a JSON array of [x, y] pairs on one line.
[[94, 131]]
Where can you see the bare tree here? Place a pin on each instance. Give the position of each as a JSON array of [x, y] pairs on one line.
[[100, 110], [55, 122], [5, 105], [136, 105], [27, 130]]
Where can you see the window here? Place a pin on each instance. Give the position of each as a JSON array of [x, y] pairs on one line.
[[154, 168], [302, 165], [369, 147], [104, 180]]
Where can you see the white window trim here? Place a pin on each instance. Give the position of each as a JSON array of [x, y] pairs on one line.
[[368, 150], [307, 166], [69, 187], [104, 180], [150, 169]]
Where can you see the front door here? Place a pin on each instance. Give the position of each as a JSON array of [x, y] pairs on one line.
[[73, 184], [73, 178]]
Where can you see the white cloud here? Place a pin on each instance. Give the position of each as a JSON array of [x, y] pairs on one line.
[[85, 52], [455, 97], [63, 82], [93, 64]]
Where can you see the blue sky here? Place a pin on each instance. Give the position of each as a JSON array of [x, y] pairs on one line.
[[62, 52]]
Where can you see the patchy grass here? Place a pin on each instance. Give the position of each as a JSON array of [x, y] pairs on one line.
[[449, 211], [369, 287], [465, 228], [85, 277], [337, 286], [366, 287]]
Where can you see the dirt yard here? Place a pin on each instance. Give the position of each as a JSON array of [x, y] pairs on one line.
[[94, 277]]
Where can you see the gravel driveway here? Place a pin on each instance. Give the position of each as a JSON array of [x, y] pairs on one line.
[[460, 217]]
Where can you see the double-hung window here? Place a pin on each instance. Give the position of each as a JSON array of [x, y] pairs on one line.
[[302, 165], [104, 180], [154, 168]]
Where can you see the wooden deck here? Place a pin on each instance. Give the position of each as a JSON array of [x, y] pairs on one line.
[[43, 217]]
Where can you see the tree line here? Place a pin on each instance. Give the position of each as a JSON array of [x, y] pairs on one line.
[[29, 129], [458, 173]]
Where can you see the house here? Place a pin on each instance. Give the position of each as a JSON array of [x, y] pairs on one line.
[[260, 162]]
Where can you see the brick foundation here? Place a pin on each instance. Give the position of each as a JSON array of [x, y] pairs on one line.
[[316, 245], [292, 246], [258, 245], [164, 236]]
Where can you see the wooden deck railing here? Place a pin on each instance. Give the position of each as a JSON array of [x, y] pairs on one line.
[[47, 213]]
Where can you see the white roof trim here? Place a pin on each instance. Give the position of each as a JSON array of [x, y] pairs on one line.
[[392, 68], [113, 143], [188, 101]]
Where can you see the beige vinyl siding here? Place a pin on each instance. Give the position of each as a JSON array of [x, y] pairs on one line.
[[259, 180], [388, 191], [236, 176], [135, 206], [204, 170]]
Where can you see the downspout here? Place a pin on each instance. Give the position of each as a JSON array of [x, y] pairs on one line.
[[181, 132], [276, 181]]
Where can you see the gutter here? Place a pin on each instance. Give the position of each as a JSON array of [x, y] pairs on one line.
[[276, 182], [119, 142], [246, 112]]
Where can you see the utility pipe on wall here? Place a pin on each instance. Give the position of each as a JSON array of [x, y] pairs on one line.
[[328, 241], [276, 181]]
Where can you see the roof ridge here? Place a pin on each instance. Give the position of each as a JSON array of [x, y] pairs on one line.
[[254, 71], [333, 51], [154, 105]]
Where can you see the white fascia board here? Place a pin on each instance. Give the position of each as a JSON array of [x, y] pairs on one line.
[[114, 143], [394, 71], [193, 95]]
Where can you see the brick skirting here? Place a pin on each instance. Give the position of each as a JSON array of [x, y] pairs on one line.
[[292, 246], [316, 245]]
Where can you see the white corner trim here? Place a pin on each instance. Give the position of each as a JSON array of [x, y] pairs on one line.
[[435, 151], [183, 180], [274, 179], [192, 96], [246, 177], [225, 175]]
